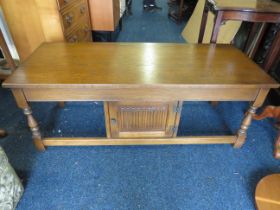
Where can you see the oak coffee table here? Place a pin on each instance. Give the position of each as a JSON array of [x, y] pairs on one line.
[[142, 86]]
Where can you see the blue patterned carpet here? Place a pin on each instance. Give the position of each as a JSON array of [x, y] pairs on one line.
[[191, 177], [150, 27]]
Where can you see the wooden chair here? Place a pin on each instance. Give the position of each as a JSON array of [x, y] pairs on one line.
[[5, 50], [272, 112], [10, 64], [267, 195]]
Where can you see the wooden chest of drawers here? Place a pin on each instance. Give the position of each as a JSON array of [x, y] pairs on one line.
[[75, 20], [32, 22]]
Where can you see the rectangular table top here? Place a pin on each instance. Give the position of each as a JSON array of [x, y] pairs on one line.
[[268, 6], [88, 65]]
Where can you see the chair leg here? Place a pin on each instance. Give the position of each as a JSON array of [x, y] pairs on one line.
[[61, 104], [3, 133], [277, 147], [214, 103], [242, 132], [272, 112]]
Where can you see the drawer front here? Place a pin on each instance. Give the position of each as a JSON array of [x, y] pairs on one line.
[[142, 120], [82, 33], [63, 3], [72, 14]]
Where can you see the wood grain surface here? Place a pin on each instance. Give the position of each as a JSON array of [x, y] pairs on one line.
[[125, 65], [138, 141], [130, 119]]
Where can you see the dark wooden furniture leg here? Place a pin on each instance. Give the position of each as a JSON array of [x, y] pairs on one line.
[[216, 28], [6, 52], [273, 54], [61, 104], [277, 147], [203, 23], [33, 125], [128, 5], [272, 112], [180, 15], [250, 38], [11, 65], [3, 133], [255, 37]]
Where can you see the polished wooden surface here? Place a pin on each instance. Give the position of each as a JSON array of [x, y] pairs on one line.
[[139, 65], [267, 193], [247, 5]]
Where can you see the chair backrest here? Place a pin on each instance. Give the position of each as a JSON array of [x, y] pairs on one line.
[[5, 50]]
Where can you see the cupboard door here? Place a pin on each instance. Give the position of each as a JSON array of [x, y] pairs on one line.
[[126, 119]]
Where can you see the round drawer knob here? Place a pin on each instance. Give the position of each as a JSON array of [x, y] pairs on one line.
[[82, 9], [69, 19], [73, 38]]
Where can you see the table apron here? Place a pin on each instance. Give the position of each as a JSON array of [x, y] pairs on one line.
[[141, 94]]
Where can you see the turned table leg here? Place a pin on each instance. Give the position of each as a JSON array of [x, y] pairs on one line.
[[33, 125], [242, 132]]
